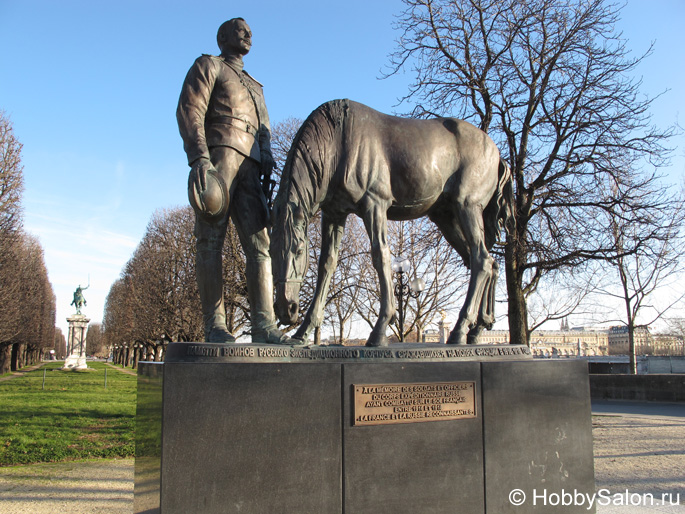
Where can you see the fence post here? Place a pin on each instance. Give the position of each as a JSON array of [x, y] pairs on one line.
[[105, 378], [44, 370]]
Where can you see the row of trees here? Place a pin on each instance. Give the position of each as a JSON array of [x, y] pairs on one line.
[[27, 315], [156, 299]]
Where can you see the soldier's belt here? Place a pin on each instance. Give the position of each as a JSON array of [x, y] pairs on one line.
[[238, 123]]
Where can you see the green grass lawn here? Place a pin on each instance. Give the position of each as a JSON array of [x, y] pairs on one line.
[[74, 417]]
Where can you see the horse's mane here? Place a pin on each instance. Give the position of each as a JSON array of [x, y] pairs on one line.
[[312, 148]]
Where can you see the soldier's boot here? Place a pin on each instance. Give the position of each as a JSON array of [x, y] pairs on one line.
[[210, 284], [260, 292]]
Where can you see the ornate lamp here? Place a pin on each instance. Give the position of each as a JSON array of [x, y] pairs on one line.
[[404, 288]]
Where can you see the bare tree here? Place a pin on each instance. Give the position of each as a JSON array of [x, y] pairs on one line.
[[550, 81], [11, 178], [60, 344], [118, 318], [676, 327], [95, 342], [162, 272], [649, 256], [565, 291], [11, 188], [282, 136]]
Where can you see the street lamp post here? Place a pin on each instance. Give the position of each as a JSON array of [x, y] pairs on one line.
[[404, 288]]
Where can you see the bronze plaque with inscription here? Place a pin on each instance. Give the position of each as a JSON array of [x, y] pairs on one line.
[[382, 404]]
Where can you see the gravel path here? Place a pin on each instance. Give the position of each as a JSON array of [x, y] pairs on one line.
[[96, 487], [643, 455]]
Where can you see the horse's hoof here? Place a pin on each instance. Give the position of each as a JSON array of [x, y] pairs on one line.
[[301, 334], [457, 339], [375, 342], [292, 341]]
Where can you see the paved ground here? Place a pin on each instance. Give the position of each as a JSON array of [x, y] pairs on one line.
[[638, 448], [638, 409]]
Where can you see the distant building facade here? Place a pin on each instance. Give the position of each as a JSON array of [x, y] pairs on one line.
[[557, 343], [567, 342], [645, 342], [431, 335], [619, 344], [576, 342]]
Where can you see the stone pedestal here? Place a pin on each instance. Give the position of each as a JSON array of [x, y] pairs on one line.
[[405, 429], [76, 342]]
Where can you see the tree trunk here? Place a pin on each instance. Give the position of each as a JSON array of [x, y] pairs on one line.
[[517, 309], [5, 358], [15, 359], [631, 348]]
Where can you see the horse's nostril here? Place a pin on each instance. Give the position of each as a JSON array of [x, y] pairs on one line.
[[292, 309]]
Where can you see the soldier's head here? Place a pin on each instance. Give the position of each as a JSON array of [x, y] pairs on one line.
[[234, 37]]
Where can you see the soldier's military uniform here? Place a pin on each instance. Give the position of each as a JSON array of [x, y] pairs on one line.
[[222, 117], [222, 105]]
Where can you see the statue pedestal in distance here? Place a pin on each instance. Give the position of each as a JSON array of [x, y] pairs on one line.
[[405, 429], [76, 342]]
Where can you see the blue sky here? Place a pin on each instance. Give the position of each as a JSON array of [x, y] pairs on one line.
[[92, 87]]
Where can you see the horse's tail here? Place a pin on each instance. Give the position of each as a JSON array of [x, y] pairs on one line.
[[499, 213], [507, 217]]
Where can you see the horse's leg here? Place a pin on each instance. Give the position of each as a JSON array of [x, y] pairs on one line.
[[332, 232], [447, 222], [376, 222], [487, 317], [481, 264], [486, 314]]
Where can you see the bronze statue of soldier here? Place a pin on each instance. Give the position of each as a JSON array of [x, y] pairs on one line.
[[79, 300], [224, 124]]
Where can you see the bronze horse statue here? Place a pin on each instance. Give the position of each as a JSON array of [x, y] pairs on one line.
[[348, 158]]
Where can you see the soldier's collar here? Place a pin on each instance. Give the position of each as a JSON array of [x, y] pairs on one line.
[[237, 66], [234, 61]]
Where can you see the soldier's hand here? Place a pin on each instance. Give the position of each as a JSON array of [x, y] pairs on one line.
[[198, 174]]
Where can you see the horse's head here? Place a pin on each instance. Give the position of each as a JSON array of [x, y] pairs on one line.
[[289, 253]]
